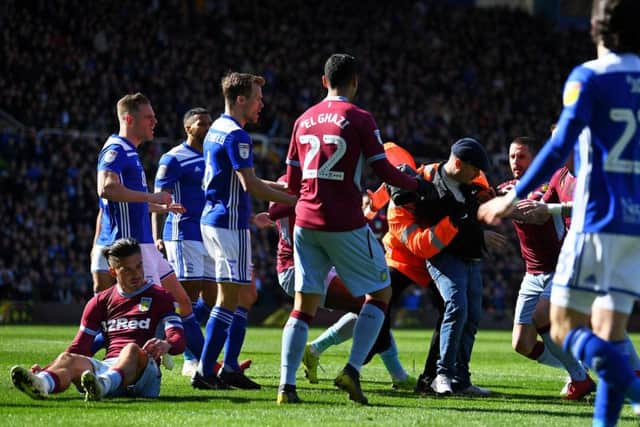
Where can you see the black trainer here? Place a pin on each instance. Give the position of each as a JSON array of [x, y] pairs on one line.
[[211, 382], [238, 379]]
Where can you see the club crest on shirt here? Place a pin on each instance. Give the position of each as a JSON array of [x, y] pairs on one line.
[[162, 171], [243, 149], [110, 156], [384, 274], [571, 93], [145, 303]]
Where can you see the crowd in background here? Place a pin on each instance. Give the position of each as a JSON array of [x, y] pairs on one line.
[[431, 73]]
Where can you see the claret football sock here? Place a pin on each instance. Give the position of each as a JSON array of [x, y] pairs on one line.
[[233, 345]]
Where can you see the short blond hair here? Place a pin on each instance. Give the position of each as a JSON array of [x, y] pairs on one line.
[[239, 84], [131, 103]]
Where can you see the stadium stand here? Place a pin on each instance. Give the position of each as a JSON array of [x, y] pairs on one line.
[[432, 73]]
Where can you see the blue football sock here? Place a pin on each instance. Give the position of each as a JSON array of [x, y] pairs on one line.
[[99, 342], [202, 311], [216, 335], [294, 338], [193, 335], [608, 405], [630, 350], [392, 362], [188, 355], [337, 333], [365, 333], [233, 345], [603, 358]]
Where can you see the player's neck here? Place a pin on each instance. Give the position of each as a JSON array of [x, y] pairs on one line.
[[601, 49], [195, 144], [236, 114], [338, 93], [130, 137]]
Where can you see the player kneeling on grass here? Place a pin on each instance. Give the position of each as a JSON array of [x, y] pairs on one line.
[[129, 313]]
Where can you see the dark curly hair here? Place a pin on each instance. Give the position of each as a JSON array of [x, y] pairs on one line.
[[615, 22]]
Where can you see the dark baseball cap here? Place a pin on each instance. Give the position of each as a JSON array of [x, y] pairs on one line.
[[470, 151]]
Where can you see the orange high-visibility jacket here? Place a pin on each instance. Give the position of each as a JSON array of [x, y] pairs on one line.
[[409, 244]]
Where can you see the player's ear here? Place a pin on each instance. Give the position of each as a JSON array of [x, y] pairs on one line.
[[325, 82], [112, 271]]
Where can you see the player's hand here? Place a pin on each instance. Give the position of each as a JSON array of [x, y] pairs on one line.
[[160, 245], [496, 208], [160, 198], [176, 208], [532, 212], [262, 220], [36, 368], [156, 347]]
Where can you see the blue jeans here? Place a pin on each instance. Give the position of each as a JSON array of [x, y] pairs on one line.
[[460, 284]]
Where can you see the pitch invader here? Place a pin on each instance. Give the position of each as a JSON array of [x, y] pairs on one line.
[[125, 201], [601, 251]]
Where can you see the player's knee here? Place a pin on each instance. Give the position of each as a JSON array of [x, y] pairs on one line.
[[383, 295], [248, 297], [64, 357]]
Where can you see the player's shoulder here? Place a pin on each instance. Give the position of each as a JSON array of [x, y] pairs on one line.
[[507, 183], [226, 124], [180, 153], [158, 291], [116, 142], [610, 63]]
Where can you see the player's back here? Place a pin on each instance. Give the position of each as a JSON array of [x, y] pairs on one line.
[[133, 317], [334, 139], [227, 147], [181, 170], [608, 186]]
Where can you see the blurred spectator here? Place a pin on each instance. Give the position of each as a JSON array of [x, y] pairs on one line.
[[441, 72]]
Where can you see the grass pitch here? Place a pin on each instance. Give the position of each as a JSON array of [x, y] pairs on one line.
[[525, 393]]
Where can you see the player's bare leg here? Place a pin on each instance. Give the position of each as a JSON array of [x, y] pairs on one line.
[[101, 280], [56, 378]]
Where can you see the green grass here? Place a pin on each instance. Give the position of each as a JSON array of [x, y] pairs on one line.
[[526, 393]]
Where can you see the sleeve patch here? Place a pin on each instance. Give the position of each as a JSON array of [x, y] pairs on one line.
[[110, 156], [571, 93], [244, 150]]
